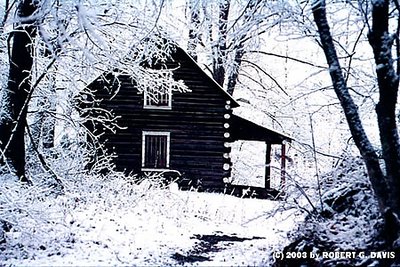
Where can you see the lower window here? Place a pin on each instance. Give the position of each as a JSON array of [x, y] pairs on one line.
[[155, 150]]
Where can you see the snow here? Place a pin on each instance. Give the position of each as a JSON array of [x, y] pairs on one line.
[[113, 222], [248, 168]]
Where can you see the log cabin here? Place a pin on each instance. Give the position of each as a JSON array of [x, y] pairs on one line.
[[186, 133]]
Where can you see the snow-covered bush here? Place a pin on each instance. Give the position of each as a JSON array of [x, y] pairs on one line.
[[349, 221], [29, 218], [35, 221]]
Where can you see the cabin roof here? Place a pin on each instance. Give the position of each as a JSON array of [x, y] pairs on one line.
[[233, 103], [243, 129]]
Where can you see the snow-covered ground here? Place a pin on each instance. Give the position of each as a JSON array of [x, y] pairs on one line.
[[113, 222]]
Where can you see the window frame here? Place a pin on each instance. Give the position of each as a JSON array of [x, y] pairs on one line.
[[156, 133], [146, 99]]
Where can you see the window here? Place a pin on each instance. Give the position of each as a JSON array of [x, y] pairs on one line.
[[157, 99], [155, 150]]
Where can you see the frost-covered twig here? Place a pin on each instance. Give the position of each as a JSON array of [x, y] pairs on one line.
[[42, 160]]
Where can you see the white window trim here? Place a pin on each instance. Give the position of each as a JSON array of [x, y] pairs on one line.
[[147, 106], [144, 134]]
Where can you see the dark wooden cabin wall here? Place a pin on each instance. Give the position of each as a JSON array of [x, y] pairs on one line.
[[195, 122]]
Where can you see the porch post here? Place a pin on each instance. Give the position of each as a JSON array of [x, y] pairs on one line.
[[283, 167], [268, 167]]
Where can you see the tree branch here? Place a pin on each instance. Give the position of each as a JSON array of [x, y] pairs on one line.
[[266, 73], [288, 57], [41, 158]]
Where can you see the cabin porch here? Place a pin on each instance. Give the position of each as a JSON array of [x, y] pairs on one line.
[[265, 141]]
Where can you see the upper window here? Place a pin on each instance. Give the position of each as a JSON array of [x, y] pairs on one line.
[[155, 150], [154, 99]]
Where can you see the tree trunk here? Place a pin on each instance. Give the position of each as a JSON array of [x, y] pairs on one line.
[[220, 48], [234, 75], [388, 82], [12, 128], [194, 37]]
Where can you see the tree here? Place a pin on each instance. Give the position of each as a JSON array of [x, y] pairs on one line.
[[385, 181], [12, 126]]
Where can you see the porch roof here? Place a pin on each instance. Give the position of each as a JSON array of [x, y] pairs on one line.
[[243, 129]]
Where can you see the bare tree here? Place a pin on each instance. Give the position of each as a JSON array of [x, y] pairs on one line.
[[385, 181], [230, 32]]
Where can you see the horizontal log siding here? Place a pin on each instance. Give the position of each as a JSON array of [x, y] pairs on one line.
[[196, 123]]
